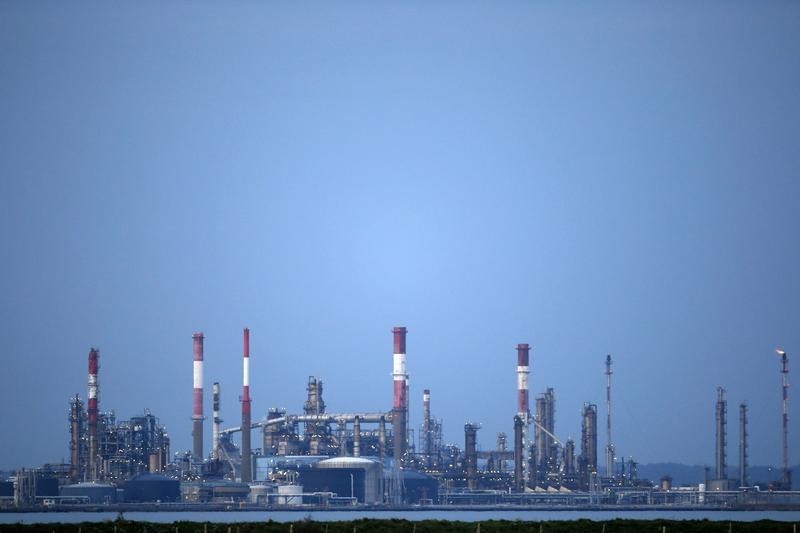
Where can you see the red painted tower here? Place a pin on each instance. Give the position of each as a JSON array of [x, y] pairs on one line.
[[400, 383], [247, 475], [91, 411], [197, 412]]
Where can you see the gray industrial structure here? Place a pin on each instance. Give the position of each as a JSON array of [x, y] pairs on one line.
[[721, 440], [365, 457]]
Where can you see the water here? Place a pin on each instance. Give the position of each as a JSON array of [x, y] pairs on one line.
[[330, 516]]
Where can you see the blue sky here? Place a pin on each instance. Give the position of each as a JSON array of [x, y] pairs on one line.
[[590, 179]]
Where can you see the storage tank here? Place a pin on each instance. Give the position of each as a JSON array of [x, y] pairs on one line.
[[259, 494], [94, 492], [358, 477], [147, 487], [290, 494]]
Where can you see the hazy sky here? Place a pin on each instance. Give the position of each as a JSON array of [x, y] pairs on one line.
[[589, 178]]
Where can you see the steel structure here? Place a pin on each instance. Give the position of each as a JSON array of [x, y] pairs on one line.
[[77, 440], [721, 444], [471, 454], [787, 474], [609, 442], [217, 421], [587, 462], [547, 451], [742, 445]]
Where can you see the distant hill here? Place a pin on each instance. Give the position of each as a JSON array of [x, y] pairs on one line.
[[693, 474]]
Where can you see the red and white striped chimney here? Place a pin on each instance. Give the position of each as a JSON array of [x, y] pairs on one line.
[[523, 370], [197, 413], [247, 475], [400, 400], [91, 411], [399, 368]]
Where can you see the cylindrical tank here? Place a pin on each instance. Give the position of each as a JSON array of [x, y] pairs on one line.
[[259, 494], [373, 472], [290, 494], [94, 492], [152, 487]]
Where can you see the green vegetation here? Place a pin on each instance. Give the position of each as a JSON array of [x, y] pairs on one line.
[[406, 526]]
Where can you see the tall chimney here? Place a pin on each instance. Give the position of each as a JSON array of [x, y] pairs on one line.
[[523, 409], [197, 413], [523, 369], [519, 476], [217, 422], [399, 403], [247, 475], [94, 366], [426, 426]]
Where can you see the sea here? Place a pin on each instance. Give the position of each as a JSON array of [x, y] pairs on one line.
[[456, 515]]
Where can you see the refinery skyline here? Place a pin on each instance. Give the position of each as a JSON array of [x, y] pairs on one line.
[[589, 180]]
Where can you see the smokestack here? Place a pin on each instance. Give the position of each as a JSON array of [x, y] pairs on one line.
[[197, 413], [787, 474], [742, 445], [519, 479], [399, 403], [247, 475], [609, 445], [94, 366], [523, 369], [523, 406], [217, 422], [722, 408], [426, 425]]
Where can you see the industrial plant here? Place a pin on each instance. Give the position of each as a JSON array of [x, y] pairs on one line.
[[319, 457]]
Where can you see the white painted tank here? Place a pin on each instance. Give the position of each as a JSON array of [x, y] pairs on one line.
[[290, 494]]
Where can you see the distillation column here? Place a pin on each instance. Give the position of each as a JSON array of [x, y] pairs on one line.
[[426, 427], [197, 413], [75, 423], [742, 445], [247, 475], [722, 408], [471, 454], [787, 475], [357, 436], [217, 422], [94, 366], [588, 457]]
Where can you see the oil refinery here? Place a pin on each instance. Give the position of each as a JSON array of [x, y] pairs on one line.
[[319, 457]]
